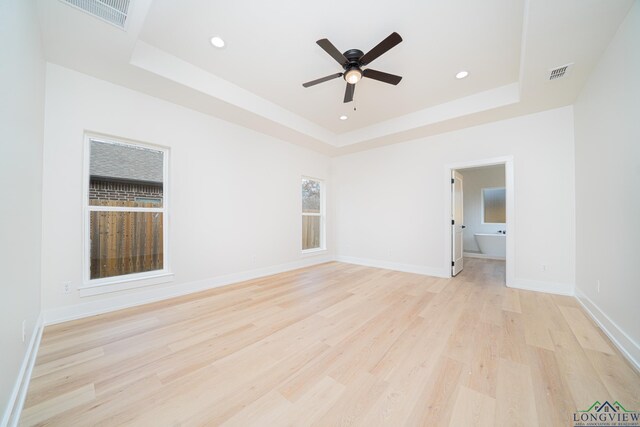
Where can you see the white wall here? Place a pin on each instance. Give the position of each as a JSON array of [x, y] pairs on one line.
[[235, 193], [607, 132], [390, 201], [474, 180], [21, 125]]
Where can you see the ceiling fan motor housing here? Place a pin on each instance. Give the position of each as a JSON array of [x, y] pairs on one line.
[[353, 55]]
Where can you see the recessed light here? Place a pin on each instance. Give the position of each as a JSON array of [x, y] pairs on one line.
[[462, 74], [343, 117], [217, 42]]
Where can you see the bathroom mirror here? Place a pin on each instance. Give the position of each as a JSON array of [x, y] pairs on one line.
[[494, 209]]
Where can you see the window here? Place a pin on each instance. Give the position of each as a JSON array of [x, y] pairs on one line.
[[493, 206], [312, 214], [126, 211]]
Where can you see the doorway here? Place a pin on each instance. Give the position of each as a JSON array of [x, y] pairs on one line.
[[480, 213]]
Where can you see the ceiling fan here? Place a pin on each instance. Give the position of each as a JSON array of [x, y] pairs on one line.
[[352, 62]]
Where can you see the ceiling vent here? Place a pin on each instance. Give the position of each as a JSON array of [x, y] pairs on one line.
[[112, 11], [560, 72]]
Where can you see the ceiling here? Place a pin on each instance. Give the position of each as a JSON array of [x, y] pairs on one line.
[[271, 51], [507, 46]]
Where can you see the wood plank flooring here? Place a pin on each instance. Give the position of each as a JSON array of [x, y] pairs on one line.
[[335, 344]]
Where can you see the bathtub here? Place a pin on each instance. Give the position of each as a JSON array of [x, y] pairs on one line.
[[492, 245]]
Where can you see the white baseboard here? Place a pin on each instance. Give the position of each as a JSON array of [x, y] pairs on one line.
[[483, 256], [407, 268], [92, 308], [540, 286], [13, 410], [627, 346]]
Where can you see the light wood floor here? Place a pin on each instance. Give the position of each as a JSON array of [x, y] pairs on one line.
[[335, 344]]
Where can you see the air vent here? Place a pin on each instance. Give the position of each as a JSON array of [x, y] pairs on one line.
[[111, 11], [560, 72]]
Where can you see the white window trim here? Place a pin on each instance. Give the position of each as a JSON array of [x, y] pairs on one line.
[[482, 204], [127, 281], [321, 214]]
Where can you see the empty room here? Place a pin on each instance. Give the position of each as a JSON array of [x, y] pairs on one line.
[[285, 213]]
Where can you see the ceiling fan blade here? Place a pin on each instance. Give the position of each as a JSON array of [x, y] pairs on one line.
[[392, 79], [331, 50], [322, 80], [381, 48], [348, 93]]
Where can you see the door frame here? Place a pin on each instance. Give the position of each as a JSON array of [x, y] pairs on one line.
[[509, 181]]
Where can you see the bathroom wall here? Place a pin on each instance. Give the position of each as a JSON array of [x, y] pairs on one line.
[[474, 180]]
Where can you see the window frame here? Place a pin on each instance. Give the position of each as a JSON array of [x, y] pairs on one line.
[[321, 214], [482, 221], [126, 281]]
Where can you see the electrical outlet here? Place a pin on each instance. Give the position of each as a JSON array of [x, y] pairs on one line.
[[66, 288], [24, 330]]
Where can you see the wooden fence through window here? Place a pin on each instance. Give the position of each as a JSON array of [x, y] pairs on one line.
[[125, 242]]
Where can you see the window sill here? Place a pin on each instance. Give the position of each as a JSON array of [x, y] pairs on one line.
[[123, 284], [312, 252]]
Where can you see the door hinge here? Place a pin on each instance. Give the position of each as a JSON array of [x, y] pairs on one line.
[[453, 263], [453, 181], [453, 222]]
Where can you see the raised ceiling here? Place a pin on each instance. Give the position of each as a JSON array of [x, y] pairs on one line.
[[271, 50], [508, 47]]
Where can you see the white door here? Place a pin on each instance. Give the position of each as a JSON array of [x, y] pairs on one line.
[[456, 223]]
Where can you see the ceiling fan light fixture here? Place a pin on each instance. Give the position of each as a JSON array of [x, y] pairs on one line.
[[353, 75]]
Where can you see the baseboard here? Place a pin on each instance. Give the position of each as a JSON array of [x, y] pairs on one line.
[[19, 393], [627, 346], [92, 308], [541, 286], [407, 268], [482, 256]]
